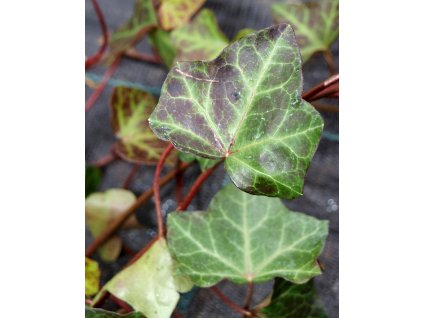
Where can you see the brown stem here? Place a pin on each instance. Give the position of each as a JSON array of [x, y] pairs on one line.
[[131, 176], [230, 303], [156, 188], [135, 55], [328, 91], [331, 63], [107, 159], [90, 61], [325, 107], [249, 296], [121, 303], [100, 88], [177, 314], [119, 221], [196, 187], [142, 251], [321, 86]]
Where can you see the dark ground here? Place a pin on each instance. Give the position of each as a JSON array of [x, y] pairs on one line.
[[321, 185]]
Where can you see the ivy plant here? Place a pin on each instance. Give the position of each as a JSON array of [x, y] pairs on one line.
[[236, 101]]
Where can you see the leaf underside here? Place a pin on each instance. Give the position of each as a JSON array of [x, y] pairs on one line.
[[101, 208], [149, 284], [130, 111], [201, 39], [92, 277], [175, 13], [101, 313], [143, 20], [245, 238], [315, 23], [245, 106], [292, 301]]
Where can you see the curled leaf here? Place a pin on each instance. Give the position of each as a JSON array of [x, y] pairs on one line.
[[103, 208], [245, 106], [315, 23], [131, 108], [92, 277], [245, 238], [149, 285]]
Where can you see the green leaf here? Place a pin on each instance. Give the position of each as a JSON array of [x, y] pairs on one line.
[[245, 106], [101, 313], [175, 13], [100, 210], [292, 301], [199, 40], [137, 143], [92, 277], [204, 163], [243, 32], [92, 179], [149, 285], [315, 23], [245, 238], [162, 42], [142, 21]]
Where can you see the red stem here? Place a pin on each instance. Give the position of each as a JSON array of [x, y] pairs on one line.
[[176, 314], [94, 96], [104, 161], [121, 304], [179, 184], [328, 91], [131, 176], [134, 54], [142, 251], [229, 302], [196, 187], [90, 61], [156, 189], [249, 296]]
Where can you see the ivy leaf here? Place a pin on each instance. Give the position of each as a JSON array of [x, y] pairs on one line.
[[103, 208], [245, 238], [292, 301], [142, 21], [137, 143], [241, 33], [162, 42], [199, 40], [315, 23], [175, 13], [245, 106], [92, 179], [204, 163], [92, 277], [149, 285], [101, 313]]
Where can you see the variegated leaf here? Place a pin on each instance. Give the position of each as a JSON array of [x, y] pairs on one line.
[[245, 238], [149, 285], [245, 106], [315, 23], [142, 21], [131, 108], [175, 13]]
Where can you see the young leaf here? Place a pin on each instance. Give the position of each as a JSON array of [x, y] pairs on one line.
[[92, 277], [149, 284], [101, 313], [204, 163], [162, 42], [246, 106], [175, 13], [92, 179], [315, 23], [143, 20], [245, 238], [199, 40], [137, 143], [103, 208], [292, 301]]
